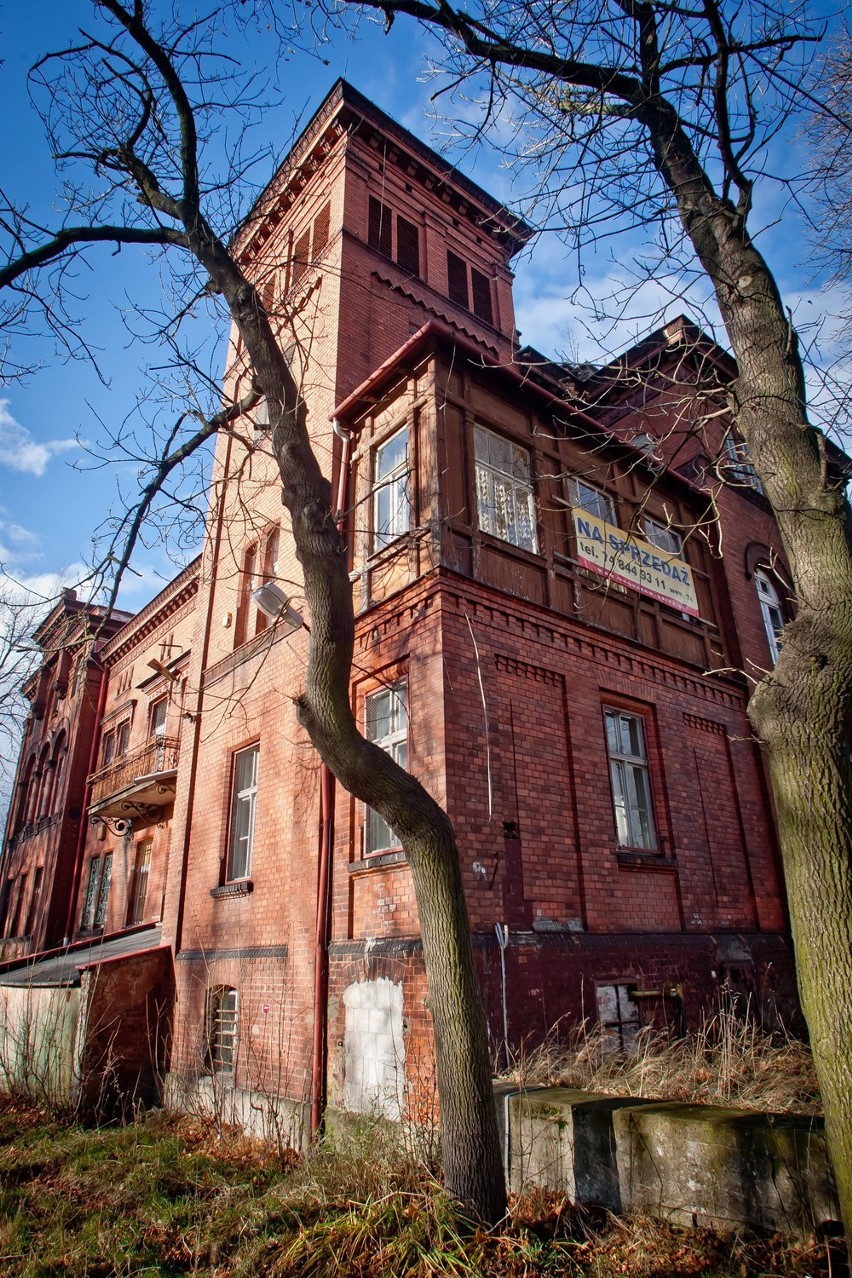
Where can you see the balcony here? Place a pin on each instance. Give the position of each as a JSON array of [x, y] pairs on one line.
[[138, 784]]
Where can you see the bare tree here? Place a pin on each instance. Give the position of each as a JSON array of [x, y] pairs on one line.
[[137, 106], [659, 114], [18, 659], [831, 132]]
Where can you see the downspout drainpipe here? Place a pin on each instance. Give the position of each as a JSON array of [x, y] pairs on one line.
[[87, 798], [320, 1044], [319, 1055], [199, 699]]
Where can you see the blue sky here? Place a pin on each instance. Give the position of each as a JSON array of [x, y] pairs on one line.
[[50, 502]]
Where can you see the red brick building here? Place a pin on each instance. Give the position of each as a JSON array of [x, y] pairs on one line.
[[563, 579]]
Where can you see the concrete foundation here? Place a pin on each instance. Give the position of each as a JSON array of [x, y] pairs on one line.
[[691, 1164]]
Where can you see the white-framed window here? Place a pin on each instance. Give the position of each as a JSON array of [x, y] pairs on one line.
[[138, 894], [504, 495], [631, 788], [738, 468], [391, 497], [386, 725], [593, 500], [222, 1019], [243, 810], [159, 713], [770, 609], [662, 536]]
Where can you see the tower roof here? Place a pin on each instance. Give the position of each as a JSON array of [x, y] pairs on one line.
[[351, 111]]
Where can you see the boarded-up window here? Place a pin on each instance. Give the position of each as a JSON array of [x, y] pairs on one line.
[[374, 1049]]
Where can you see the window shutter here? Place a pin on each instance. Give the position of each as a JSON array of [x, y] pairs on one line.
[[322, 222], [407, 246], [266, 291], [481, 289], [301, 253], [457, 280], [379, 233]]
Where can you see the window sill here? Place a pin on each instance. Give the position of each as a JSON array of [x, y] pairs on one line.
[[493, 542], [377, 861], [239, 887], [644, 860]]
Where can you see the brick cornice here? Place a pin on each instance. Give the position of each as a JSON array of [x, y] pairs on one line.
[[163, 607]]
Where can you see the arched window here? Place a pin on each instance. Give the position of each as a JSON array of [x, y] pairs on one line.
[[222, 1019], [45, 788], [58, 761], [771, 610], [25, 795]]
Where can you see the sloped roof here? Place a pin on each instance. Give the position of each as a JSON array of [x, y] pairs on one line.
[[63, 968]]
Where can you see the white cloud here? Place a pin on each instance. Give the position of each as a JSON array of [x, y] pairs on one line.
[[41, 589], [20, 450]]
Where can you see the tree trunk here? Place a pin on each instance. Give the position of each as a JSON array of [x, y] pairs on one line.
[[802, 710], [472, 1159]]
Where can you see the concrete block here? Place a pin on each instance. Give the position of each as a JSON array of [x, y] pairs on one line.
[[707, 1165], [563, 1139]]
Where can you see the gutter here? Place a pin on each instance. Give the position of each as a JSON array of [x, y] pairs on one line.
[[434, 328], [325, 864], [199, 700], [77, 874]]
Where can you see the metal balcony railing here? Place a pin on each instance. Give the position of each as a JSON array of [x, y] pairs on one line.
[[157, 755]]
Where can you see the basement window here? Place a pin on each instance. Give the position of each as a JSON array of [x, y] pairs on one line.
[[618, 1016], [222, 1018]]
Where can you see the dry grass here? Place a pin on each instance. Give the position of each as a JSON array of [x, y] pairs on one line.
[[727, 1061], [166, 1197]]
